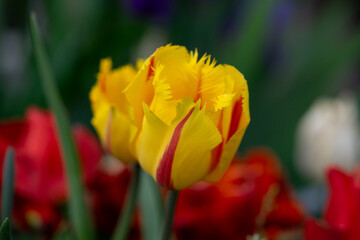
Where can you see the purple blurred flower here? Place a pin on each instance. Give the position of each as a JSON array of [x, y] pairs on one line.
[[153, 9], [279, 18]]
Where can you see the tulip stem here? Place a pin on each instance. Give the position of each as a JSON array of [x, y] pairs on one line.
[[169, 214], [123, 225]]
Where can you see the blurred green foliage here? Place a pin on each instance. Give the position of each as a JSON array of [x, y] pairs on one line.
[[5, 230], [291, 52]]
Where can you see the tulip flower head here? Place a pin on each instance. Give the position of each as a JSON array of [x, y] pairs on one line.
[[111, 113], [189, 116]]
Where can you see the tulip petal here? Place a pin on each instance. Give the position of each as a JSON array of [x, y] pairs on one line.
[[163, 105], [177, 155], [180, 73], [150, 143], [140, 91], [112, 127], [178, 79], [192, 157], [111, 83], [155, 136], [228, 154], [212, 86], [235, 122], [163, 172]]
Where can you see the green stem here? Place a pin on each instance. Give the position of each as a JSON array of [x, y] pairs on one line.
[[122, 228], [169, 214], [151, 207]]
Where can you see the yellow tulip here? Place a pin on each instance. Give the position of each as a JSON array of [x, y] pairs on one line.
[[189, 116], [111, 110]]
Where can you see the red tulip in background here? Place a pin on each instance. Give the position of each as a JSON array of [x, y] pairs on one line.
[[40, 183], [253, 196], [40, 187], [342, 214]]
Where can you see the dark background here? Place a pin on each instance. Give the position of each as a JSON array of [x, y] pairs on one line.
[[291, 52]]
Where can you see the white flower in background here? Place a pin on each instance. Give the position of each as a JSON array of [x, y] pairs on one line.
[[327, 135]]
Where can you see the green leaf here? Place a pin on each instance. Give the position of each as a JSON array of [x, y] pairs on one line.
[[7, 194], [5, 230], [78, 209], [151, 207]]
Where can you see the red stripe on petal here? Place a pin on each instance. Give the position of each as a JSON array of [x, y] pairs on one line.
[[217, 152], [235, 118], [163, 173], [103, 82], [108, 131], [151, 70], [216, 156]]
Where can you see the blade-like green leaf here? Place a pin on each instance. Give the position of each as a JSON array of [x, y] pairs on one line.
[[5, 230], [7, 194], [78, 210], [151, 207]]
